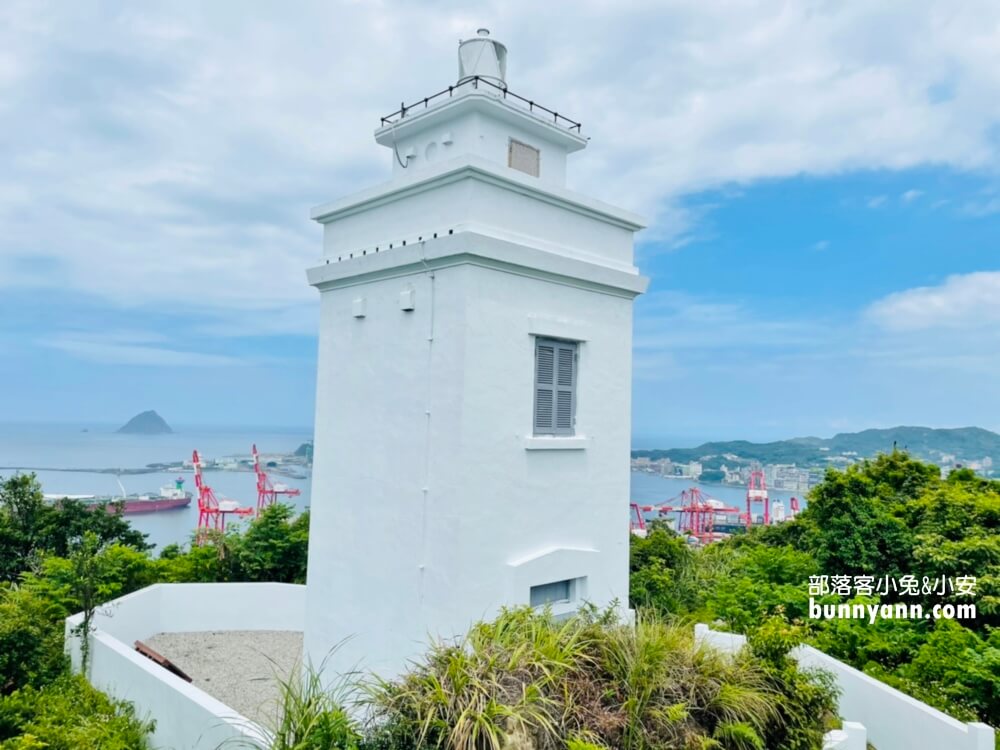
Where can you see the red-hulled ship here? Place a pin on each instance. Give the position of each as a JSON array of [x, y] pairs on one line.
[[168, 498]]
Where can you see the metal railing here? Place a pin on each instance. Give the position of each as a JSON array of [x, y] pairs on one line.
[[533, 106]]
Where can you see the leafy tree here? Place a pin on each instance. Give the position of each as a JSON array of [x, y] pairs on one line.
[[92, 575], [31, 639], [274, 547], [31, 528], [656, 563], [887, 517], [850, 525], [200, 564], [961, 667]]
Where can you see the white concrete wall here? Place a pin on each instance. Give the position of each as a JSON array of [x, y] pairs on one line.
[[450, 197], [893, 720], [850, 736], [472, 133], [441, 398], [186, 717], [433, 503], [479, 122]]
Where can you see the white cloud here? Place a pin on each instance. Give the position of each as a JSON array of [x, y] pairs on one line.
[[821, 245], [963, 301], [705, 333], [724, 367], [877, 201], [132, 349], [985, 204], [911, 195], [167, 154]]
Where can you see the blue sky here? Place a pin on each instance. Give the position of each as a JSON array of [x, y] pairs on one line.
[[821, 180]]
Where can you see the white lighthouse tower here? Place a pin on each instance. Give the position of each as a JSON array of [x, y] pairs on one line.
[[473, 395]]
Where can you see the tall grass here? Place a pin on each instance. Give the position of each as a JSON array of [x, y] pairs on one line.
[[501, 685], [526, 682], [673, 692], [311, 714]]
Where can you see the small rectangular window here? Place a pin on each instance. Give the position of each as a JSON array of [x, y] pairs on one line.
[[555, 387], [523, 158], [551, 593]]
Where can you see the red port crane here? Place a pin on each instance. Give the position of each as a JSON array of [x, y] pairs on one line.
[[267, 491], [212, 512], [637, 521], [757, 493], [697, 514]]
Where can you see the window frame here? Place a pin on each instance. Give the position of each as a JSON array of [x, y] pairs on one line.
[[556, 388], [568, 583]]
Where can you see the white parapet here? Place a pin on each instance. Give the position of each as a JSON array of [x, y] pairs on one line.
[[850, 736], [893, 720], [186, 717]]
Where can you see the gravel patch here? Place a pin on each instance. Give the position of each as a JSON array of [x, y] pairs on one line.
[[238, 667]]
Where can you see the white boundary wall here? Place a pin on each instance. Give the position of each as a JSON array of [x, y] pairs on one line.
[[187, 718], [893, 720]]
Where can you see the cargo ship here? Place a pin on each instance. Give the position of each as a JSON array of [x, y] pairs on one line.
[[168, 497]]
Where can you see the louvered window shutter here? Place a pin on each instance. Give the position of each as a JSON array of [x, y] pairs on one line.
[[555, 387]]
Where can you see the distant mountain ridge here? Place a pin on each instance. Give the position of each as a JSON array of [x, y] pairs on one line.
[[930, 444], [146, 423]]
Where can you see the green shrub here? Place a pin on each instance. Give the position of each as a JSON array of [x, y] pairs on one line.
[[585, 683], [673, 692], [68, 714], [31, 639], [502, 680], [31, 528], [274, 547], [808, 703]]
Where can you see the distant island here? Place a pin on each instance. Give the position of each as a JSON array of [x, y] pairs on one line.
[[147, 423], [798, 463], [305, 451]]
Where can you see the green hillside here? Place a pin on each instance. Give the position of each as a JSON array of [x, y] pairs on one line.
[[965, 443]]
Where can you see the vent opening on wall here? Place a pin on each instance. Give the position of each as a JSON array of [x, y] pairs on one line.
[[551, 593], [523, 158]]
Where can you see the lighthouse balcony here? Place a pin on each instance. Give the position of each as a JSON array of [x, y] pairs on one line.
[[488, 86]]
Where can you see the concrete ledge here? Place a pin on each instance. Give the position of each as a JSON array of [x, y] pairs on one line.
[[187, 718], [556, 443]]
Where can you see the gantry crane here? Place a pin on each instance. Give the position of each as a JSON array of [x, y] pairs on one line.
[[212, 512], [267, 491]]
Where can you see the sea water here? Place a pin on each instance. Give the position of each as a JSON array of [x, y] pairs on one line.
[[41, 448], [654, 489]]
